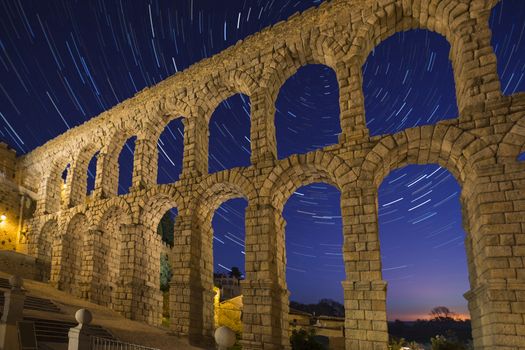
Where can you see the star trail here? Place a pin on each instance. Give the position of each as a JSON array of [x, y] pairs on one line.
[[64, 62]]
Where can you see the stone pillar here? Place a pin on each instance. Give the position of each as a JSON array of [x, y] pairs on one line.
[[79, 336], [351, 100], [145, 162], [262, 130], [76, 186], [265, 295], [136, 298], [106, 178], [50, 192], [90, 287], [126, 298], [196, 135], [12, 313], [473, 61], [191, 304], [496, 213], [364, 288], [57, 268]]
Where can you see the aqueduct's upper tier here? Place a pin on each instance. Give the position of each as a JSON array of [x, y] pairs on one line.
[[116, 237], [337, 34]]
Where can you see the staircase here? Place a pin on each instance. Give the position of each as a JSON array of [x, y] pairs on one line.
[[53, 331], [34, 303], [46, 330]]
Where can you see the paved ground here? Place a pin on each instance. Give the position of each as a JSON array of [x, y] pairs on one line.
[[122, 328]]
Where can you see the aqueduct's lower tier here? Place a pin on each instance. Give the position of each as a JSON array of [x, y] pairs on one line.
[[107, 250]]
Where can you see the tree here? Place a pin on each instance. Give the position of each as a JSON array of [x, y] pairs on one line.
[[165, 273], [235, 272], [303, 340], [439, 342], [166, 228], [440, 313]]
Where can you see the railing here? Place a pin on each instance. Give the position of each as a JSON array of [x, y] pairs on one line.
[[110, 344]]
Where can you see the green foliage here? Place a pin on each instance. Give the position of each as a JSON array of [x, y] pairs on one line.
[[395, 343], [235, 272], [165, 273], [303, 340], [166, 228], [439, 342], [325, 307]]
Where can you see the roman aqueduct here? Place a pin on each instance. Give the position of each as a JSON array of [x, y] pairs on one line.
[[104, 246]]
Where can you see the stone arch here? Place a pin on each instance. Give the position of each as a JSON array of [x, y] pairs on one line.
[[109, 258], [460, 152], [209, 94], [107, 177], [513, 142], [220, 187], [214, 190], [146, 155], [317, 49], [54, 185], [72, 252], [289, 58], [45, 247], [304, 169], [157, 202], [300, 170], [78, 187], [450, 147], [239, 81], [451, 19]]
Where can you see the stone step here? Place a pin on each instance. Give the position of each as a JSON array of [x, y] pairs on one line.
[[4, 283], [54, 331], [34, 303]]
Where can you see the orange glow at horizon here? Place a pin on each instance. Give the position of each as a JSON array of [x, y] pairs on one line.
[[424, 316]]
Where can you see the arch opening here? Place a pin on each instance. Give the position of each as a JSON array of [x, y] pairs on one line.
[[423, 254], [73, 247], [397, 77], [125, 166], [307, 113], [229, 130], [166, 232], [108, 256], [228, 226], [508, 43], [314, 260], [63, 184], [91, 174], [170, 147], [45, 243], [521, 157]]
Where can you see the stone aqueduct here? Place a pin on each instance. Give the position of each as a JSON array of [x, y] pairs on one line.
[[104, 247]]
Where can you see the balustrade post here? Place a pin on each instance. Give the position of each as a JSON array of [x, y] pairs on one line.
[[79, 338], [12, 313]]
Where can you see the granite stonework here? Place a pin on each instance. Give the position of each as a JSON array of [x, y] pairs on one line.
[[105, 247]]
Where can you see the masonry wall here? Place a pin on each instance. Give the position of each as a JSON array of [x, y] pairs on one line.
[[10, 198], [119, 246]]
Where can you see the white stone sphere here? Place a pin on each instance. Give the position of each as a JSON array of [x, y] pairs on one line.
[[16, 281], [224, 337], [83, 316]]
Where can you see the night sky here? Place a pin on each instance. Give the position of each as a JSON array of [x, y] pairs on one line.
[[64, 62]]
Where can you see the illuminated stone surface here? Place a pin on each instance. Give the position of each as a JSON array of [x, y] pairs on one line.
[[105, 247]]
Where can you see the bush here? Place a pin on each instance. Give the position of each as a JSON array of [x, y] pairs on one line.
[[439, 342], [303, 340], [398, 344], [165, 273]]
